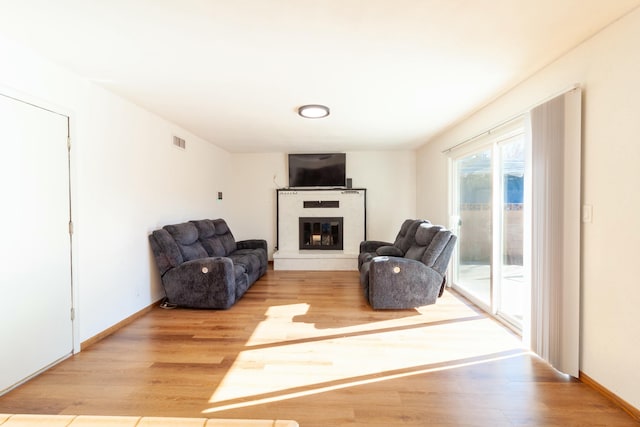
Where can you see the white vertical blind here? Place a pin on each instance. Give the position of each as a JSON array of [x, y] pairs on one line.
[[555, 233]]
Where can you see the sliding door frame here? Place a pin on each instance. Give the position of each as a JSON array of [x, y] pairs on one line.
[[493, 141]]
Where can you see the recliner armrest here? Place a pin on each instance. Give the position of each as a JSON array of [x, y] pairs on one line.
[[252, 244], [389, 251], [396, 282], [201, 283], [372, 245]]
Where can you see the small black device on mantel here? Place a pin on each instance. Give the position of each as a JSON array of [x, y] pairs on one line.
[[317, 170]]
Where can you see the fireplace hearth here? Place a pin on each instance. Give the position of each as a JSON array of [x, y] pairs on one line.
[[320, 233]]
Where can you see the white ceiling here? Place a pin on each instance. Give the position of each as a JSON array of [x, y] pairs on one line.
[[394, 72]]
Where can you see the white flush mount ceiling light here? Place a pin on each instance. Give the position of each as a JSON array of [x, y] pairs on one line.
[[313, 111]]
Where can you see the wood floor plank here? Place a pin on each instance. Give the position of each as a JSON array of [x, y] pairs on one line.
[[306, 346]]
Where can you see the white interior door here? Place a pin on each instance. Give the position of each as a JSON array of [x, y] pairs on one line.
[[36, 327]]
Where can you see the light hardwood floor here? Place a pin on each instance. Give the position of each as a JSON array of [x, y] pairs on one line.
[[305, 346]]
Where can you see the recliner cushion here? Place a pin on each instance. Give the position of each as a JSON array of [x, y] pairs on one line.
[[426, 232], [208, 238], [402, 233], [261, 256], [206, 228], [221, 226], [186, 236], [410, 235], [250, 262], [415, 252], [225, 236], [435, 248]]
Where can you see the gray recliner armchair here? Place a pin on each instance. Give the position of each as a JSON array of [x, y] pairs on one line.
[[403, 241], [413, 280]]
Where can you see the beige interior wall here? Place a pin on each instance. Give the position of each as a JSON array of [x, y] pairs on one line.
[[607, 68], [128, 179]]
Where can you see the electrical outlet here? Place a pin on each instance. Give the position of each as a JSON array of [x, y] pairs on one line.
[[587, 213]]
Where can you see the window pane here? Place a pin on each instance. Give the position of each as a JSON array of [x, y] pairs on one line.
[[474, 210], [512, 284]]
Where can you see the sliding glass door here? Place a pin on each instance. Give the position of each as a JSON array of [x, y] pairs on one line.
[[489, 210], [474, 213], [512, 287]]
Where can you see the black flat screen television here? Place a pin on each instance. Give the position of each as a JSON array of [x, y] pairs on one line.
[[317, 170]]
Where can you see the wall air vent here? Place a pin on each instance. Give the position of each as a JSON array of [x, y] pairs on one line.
[[179, 143]]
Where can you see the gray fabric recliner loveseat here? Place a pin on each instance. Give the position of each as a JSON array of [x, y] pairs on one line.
[[202, 266], [413, 279]]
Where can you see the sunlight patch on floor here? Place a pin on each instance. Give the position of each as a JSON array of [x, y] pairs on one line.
[[319, 388], [286, 358]]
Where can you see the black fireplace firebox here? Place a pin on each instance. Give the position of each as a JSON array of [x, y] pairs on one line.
[[320, 233]]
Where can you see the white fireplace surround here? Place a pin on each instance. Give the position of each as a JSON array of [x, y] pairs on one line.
[[291, 206]]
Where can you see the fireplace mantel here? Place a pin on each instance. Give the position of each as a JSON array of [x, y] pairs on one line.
[[292, 204]]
